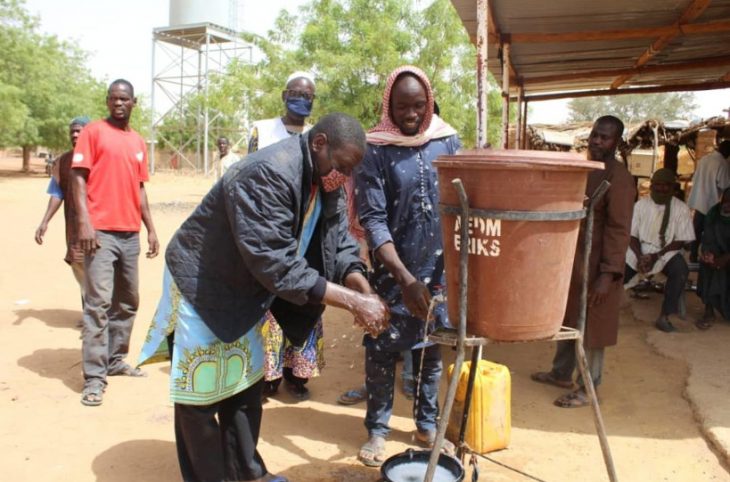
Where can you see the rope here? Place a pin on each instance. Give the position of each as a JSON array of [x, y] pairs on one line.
[[524, 474]]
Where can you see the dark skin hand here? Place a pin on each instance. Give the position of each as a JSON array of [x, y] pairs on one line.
[[416, 296], [647, 261], [152, 242], [716, 262], [600, 289]]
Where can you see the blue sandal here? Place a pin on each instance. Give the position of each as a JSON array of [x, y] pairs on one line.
[[353, 397]]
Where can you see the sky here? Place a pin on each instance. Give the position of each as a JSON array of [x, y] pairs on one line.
[[118, 37]]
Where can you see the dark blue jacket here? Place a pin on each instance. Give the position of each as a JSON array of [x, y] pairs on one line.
[[237, 252], [397, 199]]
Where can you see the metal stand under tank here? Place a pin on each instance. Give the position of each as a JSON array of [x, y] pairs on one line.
[[461, 340]]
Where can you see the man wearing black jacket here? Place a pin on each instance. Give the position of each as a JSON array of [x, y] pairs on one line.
[[272, 234]]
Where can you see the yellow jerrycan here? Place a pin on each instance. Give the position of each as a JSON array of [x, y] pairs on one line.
[[489, 425]]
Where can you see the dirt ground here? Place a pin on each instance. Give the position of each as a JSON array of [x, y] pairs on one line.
[[664, 397]]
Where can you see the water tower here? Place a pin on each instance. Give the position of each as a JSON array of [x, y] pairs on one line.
[[201, 40]]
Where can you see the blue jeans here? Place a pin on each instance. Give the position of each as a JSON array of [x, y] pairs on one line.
[[380, 384]]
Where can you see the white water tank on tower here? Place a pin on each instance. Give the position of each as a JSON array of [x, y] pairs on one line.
[[219, 12]]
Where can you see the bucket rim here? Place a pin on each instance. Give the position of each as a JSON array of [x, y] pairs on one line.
[[423, 456], [517, 159]]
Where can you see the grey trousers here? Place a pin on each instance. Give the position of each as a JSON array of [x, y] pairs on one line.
[[565, 362], [111, 301]]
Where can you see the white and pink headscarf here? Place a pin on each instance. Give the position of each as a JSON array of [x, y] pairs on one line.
[[432, 127]]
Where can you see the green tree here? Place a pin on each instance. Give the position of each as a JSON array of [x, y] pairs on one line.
[[351, 46], [43, 84], [632, 108]]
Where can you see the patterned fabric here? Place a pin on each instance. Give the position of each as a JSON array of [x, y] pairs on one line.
[[204, 369], [432, 127], [306, 361]]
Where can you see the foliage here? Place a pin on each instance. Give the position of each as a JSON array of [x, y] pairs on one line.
[[633, 108], [44, 83], [351, 46]]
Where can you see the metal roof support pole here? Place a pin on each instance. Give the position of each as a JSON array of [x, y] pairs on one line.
[[518, 123], [524, 123], [505, 95], [482, 84]]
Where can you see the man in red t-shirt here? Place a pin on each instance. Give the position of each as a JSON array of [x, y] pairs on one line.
[[109, 171]]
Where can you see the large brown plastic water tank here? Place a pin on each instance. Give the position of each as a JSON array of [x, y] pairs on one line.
[[519, 271]]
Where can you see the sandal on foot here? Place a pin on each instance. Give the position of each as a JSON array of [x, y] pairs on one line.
[[92, 396], [663, 324], [353, 397], [549, 379], [127, 371], [426, 438], [704, 323], [298, 391], [372, 453], [576, 399]]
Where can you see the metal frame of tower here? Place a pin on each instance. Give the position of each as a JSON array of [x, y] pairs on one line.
[[183, 58]]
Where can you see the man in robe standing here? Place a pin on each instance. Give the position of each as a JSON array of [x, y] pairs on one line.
[[611, 233]]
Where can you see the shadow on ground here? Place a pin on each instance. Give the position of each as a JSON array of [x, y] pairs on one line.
[[60, 363], [137, 460], [56, 318]]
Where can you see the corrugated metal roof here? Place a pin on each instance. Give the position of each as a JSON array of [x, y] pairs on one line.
[[691, 55]]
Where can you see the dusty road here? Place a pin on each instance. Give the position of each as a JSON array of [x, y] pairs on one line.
[[46, 434]]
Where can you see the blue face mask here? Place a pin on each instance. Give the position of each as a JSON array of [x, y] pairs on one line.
[[299, 106]]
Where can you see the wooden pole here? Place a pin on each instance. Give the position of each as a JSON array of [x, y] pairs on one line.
[[505, 95], [482, 85], [524, 125], [518, 123]]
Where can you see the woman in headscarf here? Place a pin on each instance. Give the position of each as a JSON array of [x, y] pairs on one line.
[[712, 284]]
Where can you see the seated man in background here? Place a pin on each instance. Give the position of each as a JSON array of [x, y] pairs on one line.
[[712, 283], [661, 226]]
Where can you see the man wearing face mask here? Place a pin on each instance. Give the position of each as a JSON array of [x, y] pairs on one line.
[[298, 98], [295, 364], [660, 228], [396, 191], [272, 234]]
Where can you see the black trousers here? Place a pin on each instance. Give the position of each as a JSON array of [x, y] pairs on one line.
[[676, 271], [217, 442], [698, 223]]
